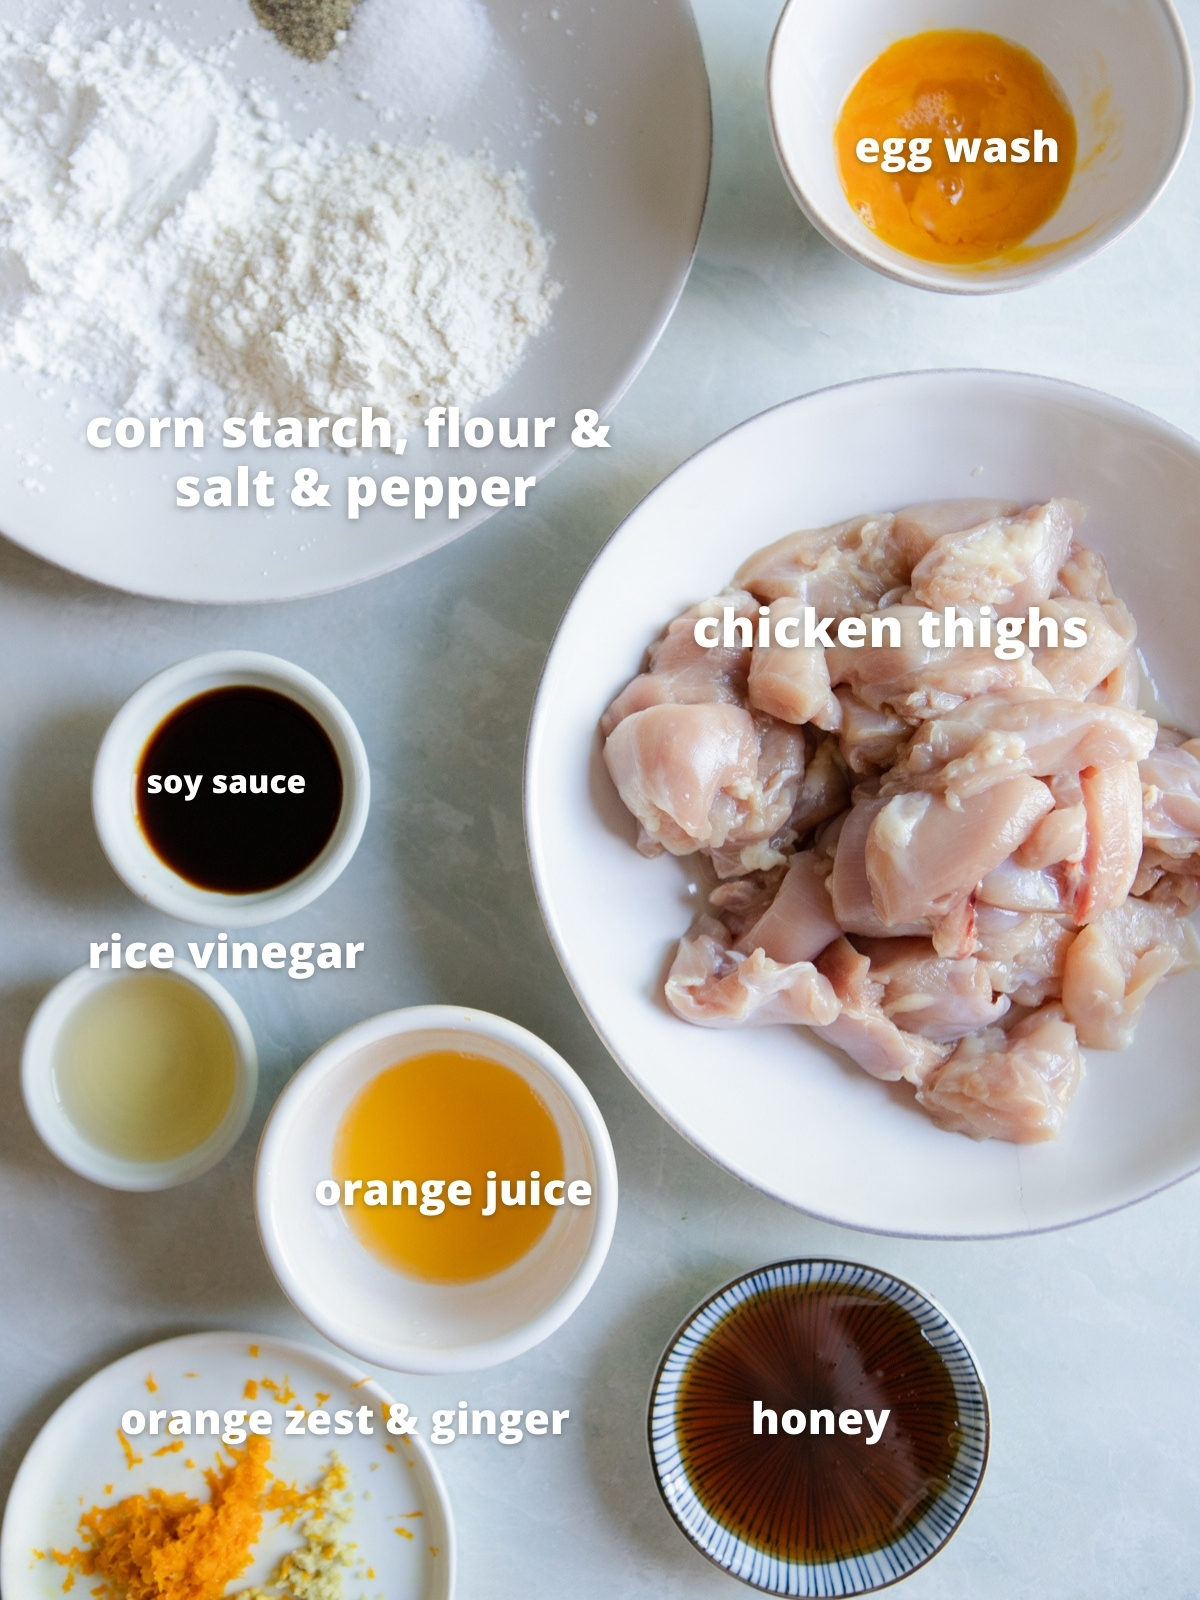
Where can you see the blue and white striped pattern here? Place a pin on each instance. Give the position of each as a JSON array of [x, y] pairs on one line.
[[853, 1575]]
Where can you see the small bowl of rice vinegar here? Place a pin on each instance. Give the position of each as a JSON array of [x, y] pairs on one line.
[[982, 144], [436, 1190], [818, 1428], [139, 1079]]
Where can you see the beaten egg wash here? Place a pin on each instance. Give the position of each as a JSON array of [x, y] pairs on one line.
[[994, 146], [465, 1117]]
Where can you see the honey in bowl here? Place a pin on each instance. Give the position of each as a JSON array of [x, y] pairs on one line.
[[818, 1428], [440, 1119], [955, 146]]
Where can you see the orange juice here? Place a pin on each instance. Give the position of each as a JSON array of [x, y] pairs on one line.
[[988, 143], [423, 1141]]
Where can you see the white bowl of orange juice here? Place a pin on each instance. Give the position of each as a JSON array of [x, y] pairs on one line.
[[1019, 137], [436, 1190]]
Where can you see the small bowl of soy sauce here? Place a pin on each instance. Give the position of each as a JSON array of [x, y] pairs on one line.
[[818, 1428], [231, 789]]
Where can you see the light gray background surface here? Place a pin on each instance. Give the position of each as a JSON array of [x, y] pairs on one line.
[[1088, 1339]]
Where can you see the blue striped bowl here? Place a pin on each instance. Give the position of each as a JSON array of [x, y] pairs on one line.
[[858, 1574]]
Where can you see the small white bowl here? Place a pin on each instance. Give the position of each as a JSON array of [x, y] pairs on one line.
[[1124, 68], [60, 1135], [114, 789], [380, 1314]]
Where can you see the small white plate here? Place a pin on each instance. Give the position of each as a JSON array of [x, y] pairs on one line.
[[77, 1455], [605, 107], [774, 1106]]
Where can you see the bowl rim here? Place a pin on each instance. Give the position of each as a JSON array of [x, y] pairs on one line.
[[926, 276], [114, 800], [893, 1282], [325, 1063], [1081, 394], [69, 1144]]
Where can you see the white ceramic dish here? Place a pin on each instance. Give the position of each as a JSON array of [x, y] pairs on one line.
[[60, 1135], [1125, 70], [795, 1119], [605, 107], [77, 1454], [114, 789], [382, 1315]]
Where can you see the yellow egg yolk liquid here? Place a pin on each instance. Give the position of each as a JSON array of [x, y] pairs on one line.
[[448, 1116], [963, 86]]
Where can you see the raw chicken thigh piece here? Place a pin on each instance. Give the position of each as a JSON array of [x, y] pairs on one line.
[[869, 739], [799, 923], [1009, 563], [1123, 686], [1017, 888], [681, 672], [707, 777], [1083, 576], [792, 682], [1167, 882], [1113, 965], [677, 769], [1023, 952], [718, 988], [1171, 798], [824, 792], [739, 902], [863, 1031], [765, 804], [853, 902], [1112, 800], [1060, 836], [917, 528], [999, 736], [1014, 1086], [840, 571], [926, 994], [923, 855], [919, 681], [1074, 673]]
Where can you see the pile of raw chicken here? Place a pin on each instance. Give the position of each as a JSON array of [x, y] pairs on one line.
[[957, 869]]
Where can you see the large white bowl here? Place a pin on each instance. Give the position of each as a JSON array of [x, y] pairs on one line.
[[604, 106], [383, 1315], [1124, 68], [774, 1106]]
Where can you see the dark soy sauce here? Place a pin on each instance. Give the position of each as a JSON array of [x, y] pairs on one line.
[[232, 842], [806, 1347]]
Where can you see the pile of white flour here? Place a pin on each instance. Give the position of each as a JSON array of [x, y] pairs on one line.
[[163, 243]]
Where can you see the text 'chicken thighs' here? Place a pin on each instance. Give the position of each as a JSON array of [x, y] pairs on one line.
[[956, 865]]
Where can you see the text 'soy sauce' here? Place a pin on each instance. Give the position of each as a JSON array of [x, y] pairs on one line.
[[239, 790], [985, 95]]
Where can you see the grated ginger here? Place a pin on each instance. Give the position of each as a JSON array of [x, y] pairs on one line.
[[314, 1570]]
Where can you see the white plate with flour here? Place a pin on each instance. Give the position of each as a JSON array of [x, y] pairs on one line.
[[604, 109], [775, 1106]]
